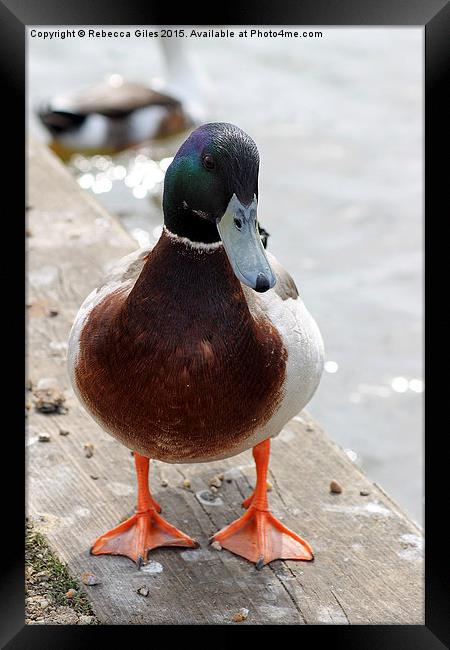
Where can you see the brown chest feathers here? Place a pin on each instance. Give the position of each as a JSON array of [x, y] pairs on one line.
[[178, 368]]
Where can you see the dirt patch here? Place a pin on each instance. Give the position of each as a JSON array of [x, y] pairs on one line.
[[52, 595]]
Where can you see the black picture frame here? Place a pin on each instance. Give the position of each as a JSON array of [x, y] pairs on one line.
[[434, 15]]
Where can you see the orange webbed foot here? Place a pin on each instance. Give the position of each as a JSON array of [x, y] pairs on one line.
[[258, 535], [138, 535], [145, 530], [261, 538]]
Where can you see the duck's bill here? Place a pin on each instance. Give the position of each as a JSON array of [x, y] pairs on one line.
[[238, 229]]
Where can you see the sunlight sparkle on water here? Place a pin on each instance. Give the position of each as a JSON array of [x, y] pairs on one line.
[[400, 384], [86, 181], [141, 236], [132, 180], [416, 385], [119, 172], [102, 162], [140, 192], [331, 367], [102, 184], [115, 80], [139, 172], [396, 385], [164, 163]]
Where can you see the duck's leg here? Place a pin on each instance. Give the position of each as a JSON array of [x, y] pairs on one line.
[[145, 530], [258, 535]]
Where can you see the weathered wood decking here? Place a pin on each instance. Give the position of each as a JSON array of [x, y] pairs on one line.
[[368, 565]]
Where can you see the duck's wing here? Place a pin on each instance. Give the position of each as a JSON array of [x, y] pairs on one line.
[[284, 308], [285, 286], [126, 270], [284, 289], [120, 277]]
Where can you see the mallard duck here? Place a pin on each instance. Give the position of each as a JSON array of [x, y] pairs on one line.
[[200, 347], [116, 114]]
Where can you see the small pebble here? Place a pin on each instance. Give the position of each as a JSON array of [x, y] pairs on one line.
[[143, 591], [269, 486], [85, 619], [215, 482], [70, 594], [240, 616], [44, 437], [53, 312], [88, 449], [335, 487], [309, 427], [49, 400], [94, 477], [216, 545], [220, 477], [164, 483], [89, 578], [63, 432], [364, 493], [213, 489], [44, 603], [41, 576], [186, 483]]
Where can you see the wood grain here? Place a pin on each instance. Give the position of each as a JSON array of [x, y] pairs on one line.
[[368, 562]]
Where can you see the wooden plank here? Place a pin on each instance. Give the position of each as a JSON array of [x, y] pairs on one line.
[[368, 560]]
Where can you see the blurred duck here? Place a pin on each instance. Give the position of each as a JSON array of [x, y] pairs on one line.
[[116, 114]]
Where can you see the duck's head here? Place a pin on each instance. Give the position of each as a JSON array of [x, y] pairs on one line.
[[211, 195]]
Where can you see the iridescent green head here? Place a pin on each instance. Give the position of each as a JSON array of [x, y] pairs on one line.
[[211, 194]]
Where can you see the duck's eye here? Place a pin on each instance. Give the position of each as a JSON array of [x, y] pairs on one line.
[[238, 223], [208, 161]]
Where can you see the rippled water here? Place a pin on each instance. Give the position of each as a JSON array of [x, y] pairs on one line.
[[338, 122]]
